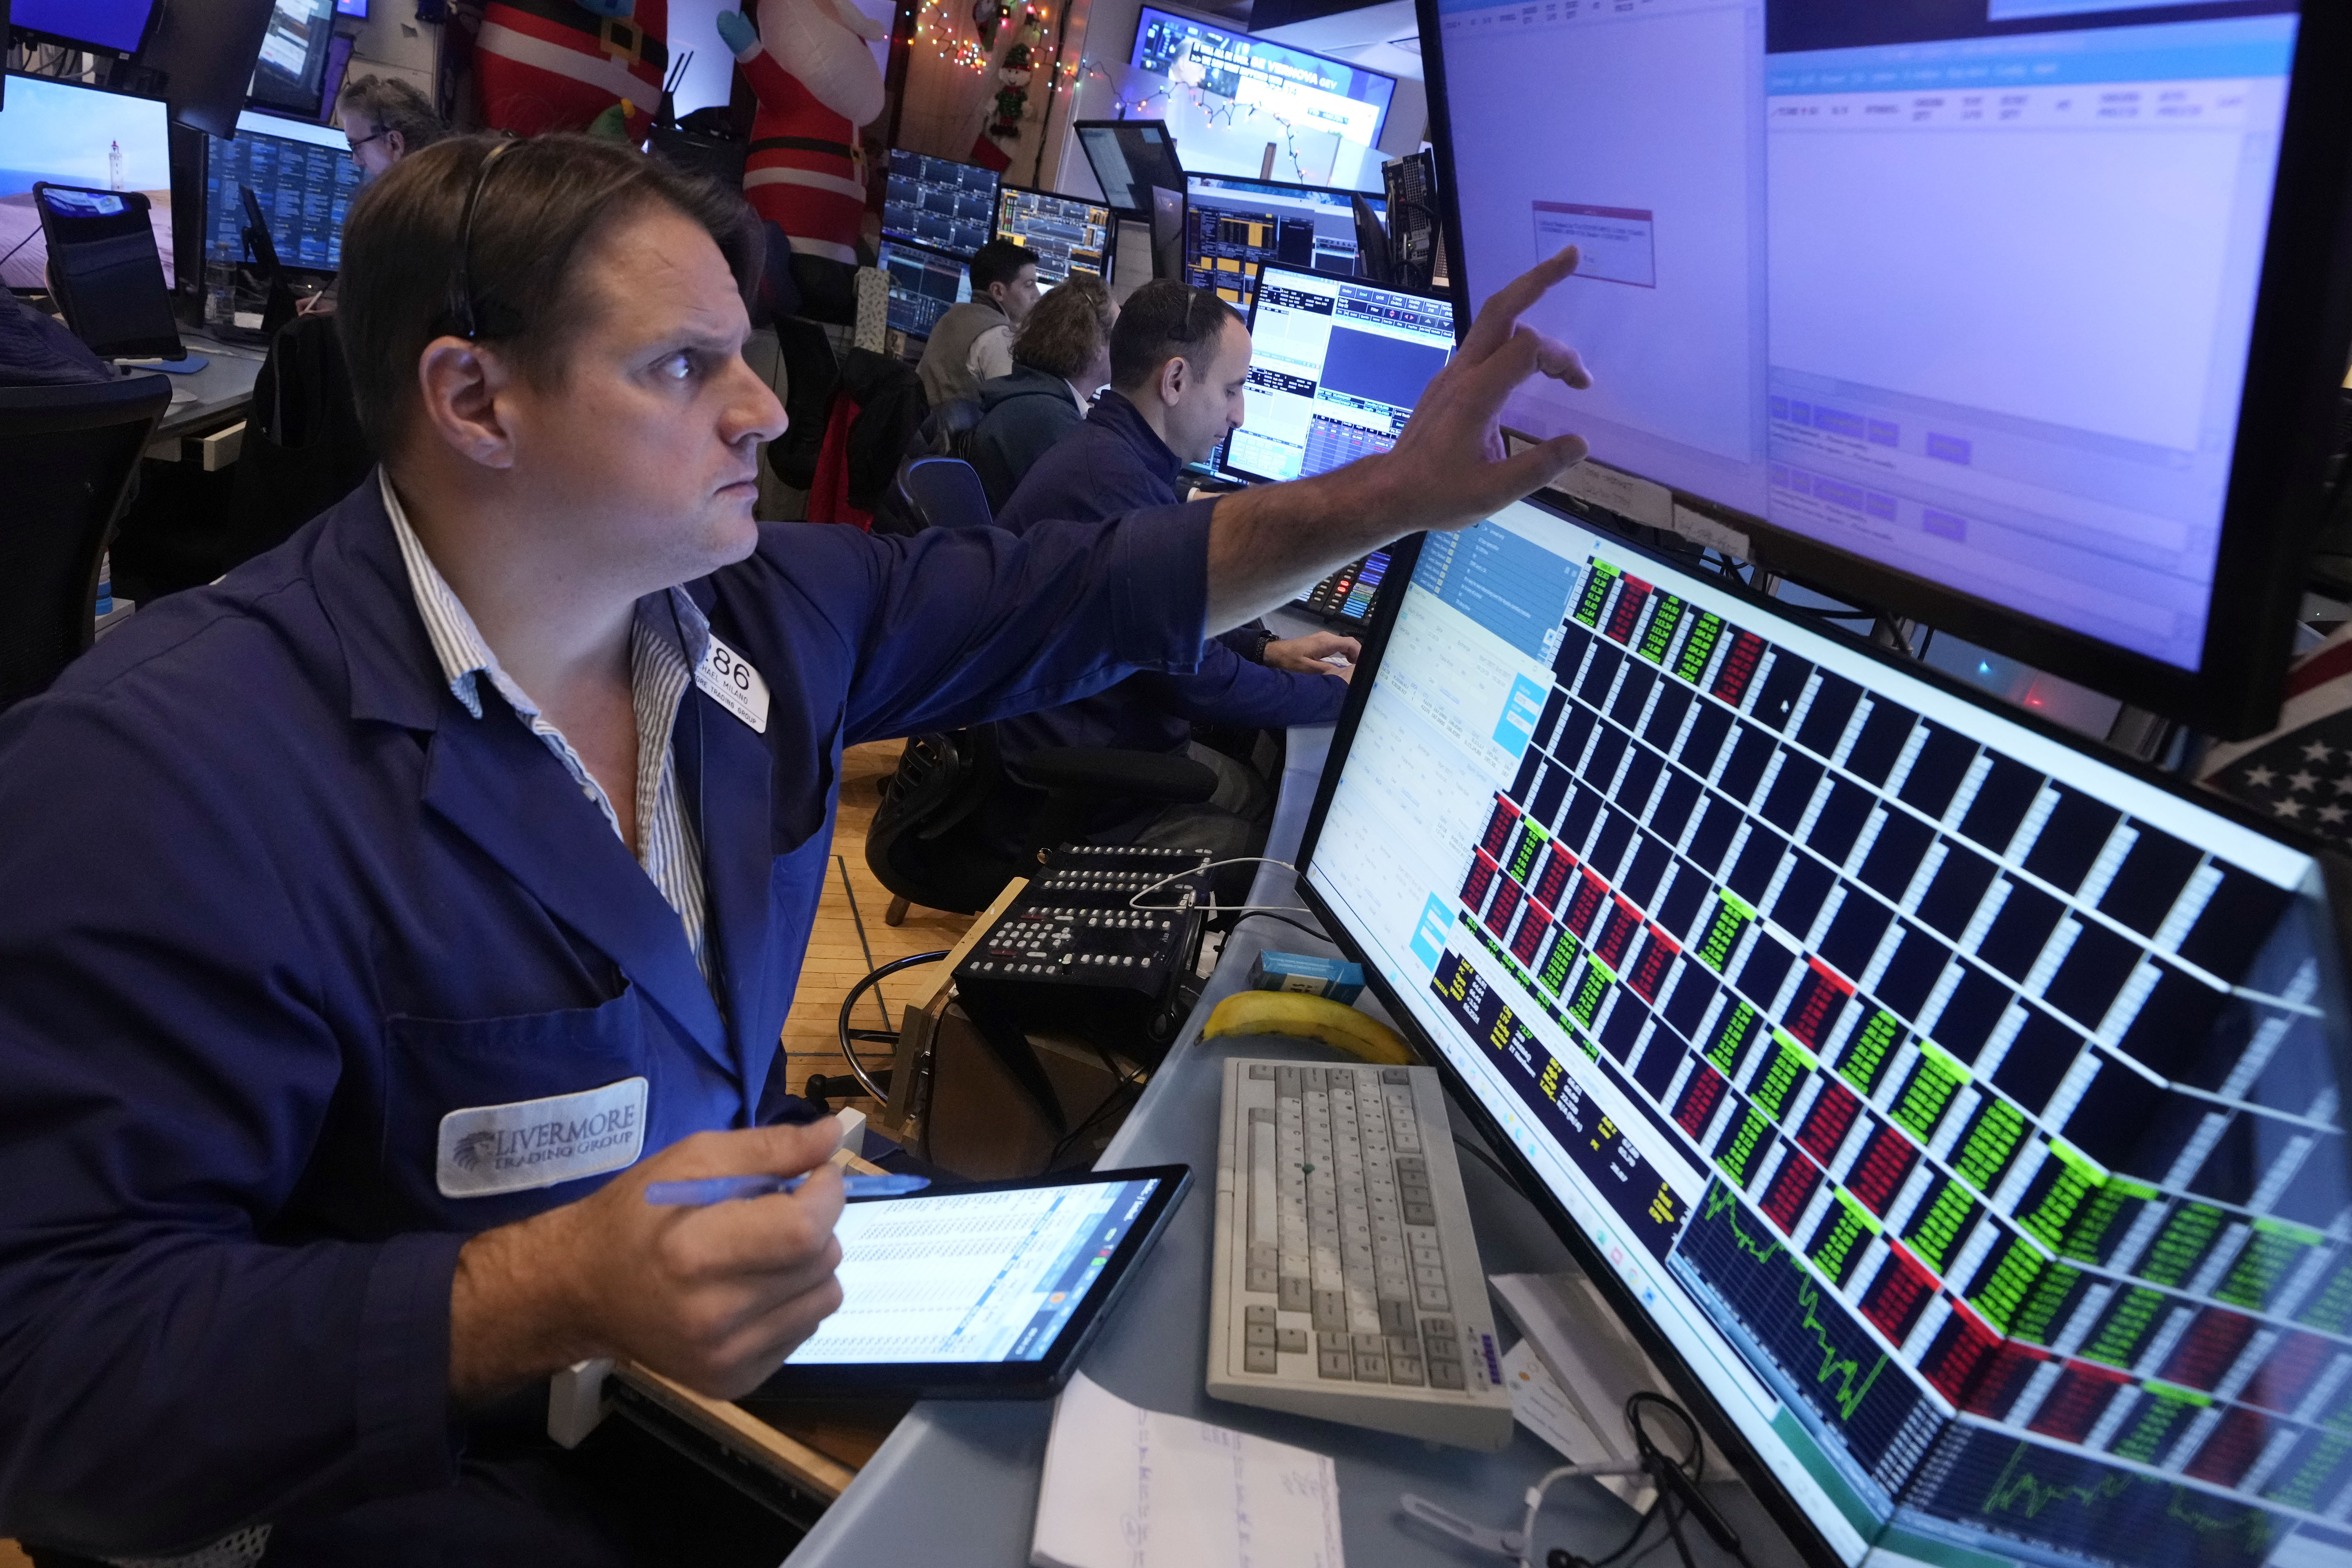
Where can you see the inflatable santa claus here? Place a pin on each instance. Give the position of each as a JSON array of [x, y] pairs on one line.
[[817, 82], [556, 64]]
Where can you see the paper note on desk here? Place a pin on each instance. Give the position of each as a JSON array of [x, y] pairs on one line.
[[1128, 1487]]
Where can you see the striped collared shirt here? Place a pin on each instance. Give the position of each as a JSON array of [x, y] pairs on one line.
[[667, 641]]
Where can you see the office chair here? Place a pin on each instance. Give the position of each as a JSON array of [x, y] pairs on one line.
[[70, 454], [946, 492], [954, 826]]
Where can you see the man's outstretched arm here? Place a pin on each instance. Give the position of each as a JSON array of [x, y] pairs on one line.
[[1447, 470]]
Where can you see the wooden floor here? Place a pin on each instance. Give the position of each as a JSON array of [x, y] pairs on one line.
[[836, 959]]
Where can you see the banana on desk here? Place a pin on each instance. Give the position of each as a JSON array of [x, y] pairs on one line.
[[1307, 1018]]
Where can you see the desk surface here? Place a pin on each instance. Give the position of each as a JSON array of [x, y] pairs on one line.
[[219, 392], [957, 1481]]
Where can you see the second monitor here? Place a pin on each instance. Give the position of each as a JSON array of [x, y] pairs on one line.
[[1336, 367], [1067, 234], [925, 285], [304, 178], [1232, 228]]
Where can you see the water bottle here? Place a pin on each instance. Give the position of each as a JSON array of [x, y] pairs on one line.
[[220, 287], [105, 584]]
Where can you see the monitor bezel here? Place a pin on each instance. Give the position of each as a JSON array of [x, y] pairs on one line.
[[2335, 871], [1078, 127], [2285, 424], [1136, 44], [41, 35], [1257, 293]]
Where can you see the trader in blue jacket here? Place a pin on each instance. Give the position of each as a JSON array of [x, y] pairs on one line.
[[375, 924], [1179, 356]]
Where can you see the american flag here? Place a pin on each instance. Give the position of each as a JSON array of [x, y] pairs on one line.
[[2299, 774]]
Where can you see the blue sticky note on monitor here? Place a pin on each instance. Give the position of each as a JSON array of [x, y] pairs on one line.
[[1429, 933], [1520, 711]]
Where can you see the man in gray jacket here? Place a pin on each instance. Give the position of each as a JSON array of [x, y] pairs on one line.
[[973, 341]]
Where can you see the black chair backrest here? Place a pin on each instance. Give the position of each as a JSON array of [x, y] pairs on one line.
[[946, 492], [929, 842], [303, 451], [67, 455]]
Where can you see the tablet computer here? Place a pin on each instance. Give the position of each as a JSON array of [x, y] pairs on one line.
[[986, 1291]]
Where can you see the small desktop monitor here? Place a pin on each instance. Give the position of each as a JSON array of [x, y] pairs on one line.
[[119, 25], [206, 54], [1230, 97], [68, 135], [301, 175], [1336, 366], [948, 206], [1232, 228], [1131, 158], [1953, 1109], [291, 76], [925, 284], [2025, 316], [352, 8], [1069, 234]]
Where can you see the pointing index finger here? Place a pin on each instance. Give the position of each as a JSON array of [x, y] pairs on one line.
[[1499, 317]]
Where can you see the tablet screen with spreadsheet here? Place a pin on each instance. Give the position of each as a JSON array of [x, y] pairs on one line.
[[1956, 1110], [1002, 1281]]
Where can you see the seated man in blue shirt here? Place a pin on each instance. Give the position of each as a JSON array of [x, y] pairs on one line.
[[1178, 358], [376, 923]]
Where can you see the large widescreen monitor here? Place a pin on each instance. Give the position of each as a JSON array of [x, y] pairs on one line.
[[1954, 1114], [1230, 97], [947, 205], [925, 285], [1069, 235], [116, 25], [66, 134], [1336, 366], [1232, 228], [304, 178], [2017, 315]]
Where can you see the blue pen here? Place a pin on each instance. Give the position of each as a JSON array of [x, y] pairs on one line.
[[721, 1189]]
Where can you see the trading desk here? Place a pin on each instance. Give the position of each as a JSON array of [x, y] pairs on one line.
[[957, 1481]]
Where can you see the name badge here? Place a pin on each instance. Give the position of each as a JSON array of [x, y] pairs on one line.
[[729, 680], [490, 1149]]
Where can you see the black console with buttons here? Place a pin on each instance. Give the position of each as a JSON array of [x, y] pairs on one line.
[[1074, 953]]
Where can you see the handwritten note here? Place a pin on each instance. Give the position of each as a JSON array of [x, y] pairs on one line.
[[1128, 1487]]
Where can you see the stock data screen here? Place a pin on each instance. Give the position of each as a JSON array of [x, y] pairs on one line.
[[924, 286], [1068, 236], [1336, 367], [1963, 1110], [1234, 228], [304, 178], [950, 206]]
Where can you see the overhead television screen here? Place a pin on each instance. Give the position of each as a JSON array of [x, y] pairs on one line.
[[68, 135], [1230, 96], [1962, 291]]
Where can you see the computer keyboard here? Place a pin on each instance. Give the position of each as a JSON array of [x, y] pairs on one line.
[[1346, 1282]]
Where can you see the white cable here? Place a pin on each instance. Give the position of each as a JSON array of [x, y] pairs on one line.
[[1136, 902], [1544, 1484]]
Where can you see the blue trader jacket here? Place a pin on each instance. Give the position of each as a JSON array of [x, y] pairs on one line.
[[272, 904], [1113, 463]]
